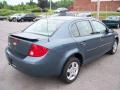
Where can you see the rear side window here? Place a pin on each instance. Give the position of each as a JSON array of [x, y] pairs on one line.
[[98, 27], [84, 28], [74, 30]]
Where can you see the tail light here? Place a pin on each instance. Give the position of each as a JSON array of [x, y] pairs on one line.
[[37, 50]]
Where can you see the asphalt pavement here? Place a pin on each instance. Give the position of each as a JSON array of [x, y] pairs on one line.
[[101, 74]]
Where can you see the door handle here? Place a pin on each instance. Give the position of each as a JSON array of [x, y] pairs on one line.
[[83, 43]]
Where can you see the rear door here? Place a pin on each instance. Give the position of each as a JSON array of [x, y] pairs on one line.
[[106, 39], [87, 41]]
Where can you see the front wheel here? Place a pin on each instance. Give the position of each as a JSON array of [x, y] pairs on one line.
[[71, 70], [22, 20], [114, 48]]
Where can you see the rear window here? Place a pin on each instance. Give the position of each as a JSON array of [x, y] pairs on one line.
[[44, 27]]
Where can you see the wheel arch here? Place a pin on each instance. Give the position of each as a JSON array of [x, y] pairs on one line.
[[116, 38], [77, 55]]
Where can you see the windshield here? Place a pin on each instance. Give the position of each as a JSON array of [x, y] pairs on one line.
[[44, 27]]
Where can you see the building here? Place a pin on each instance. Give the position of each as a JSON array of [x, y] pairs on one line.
[[91, 5]]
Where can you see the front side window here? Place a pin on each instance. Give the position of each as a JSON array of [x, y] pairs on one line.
[[98, 27], [84, 28]]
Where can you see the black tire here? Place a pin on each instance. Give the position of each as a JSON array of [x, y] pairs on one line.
[[114, 48], [65, 74], [22, 20], [14, 20], [10, 20]]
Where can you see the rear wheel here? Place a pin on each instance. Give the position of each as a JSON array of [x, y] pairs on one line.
[[71, 70], [114, 48], [14, 20], [22, 20]]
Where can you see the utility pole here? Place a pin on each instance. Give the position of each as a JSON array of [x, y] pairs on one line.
[[50, 4], [98, 9]]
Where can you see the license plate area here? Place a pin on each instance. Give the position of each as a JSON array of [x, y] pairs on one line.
[[9, 60]]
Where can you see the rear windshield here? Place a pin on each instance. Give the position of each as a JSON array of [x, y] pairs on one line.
[[44, 27]]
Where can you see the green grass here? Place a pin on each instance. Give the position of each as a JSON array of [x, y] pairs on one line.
[[103, 15], [7, 12]]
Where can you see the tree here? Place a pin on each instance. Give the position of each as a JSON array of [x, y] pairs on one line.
[[31, 1], [5, 5], [1, 5], [64, 3], [43, 4]]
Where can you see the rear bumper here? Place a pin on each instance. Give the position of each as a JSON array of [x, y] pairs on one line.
[[44, 66]]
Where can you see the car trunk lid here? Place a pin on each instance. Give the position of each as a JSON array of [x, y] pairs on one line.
[[21, 42]]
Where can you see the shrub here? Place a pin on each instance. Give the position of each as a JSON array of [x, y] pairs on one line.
[[36, 10], [6, 12]]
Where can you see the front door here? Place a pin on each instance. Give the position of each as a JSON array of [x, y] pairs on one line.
[[106, 39]]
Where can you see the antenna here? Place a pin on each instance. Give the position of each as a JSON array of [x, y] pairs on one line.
[[47, 27]]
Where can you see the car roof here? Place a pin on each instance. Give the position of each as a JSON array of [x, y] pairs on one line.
[[70, 18]]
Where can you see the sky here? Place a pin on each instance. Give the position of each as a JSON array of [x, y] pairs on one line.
[[15, 2]]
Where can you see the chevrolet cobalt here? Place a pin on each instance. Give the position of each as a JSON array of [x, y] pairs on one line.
[[59, 46]]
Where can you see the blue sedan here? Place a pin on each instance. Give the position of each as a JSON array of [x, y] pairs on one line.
[[59, 46]]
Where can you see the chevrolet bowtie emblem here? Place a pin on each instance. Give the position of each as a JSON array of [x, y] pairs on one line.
[[14, 43]]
